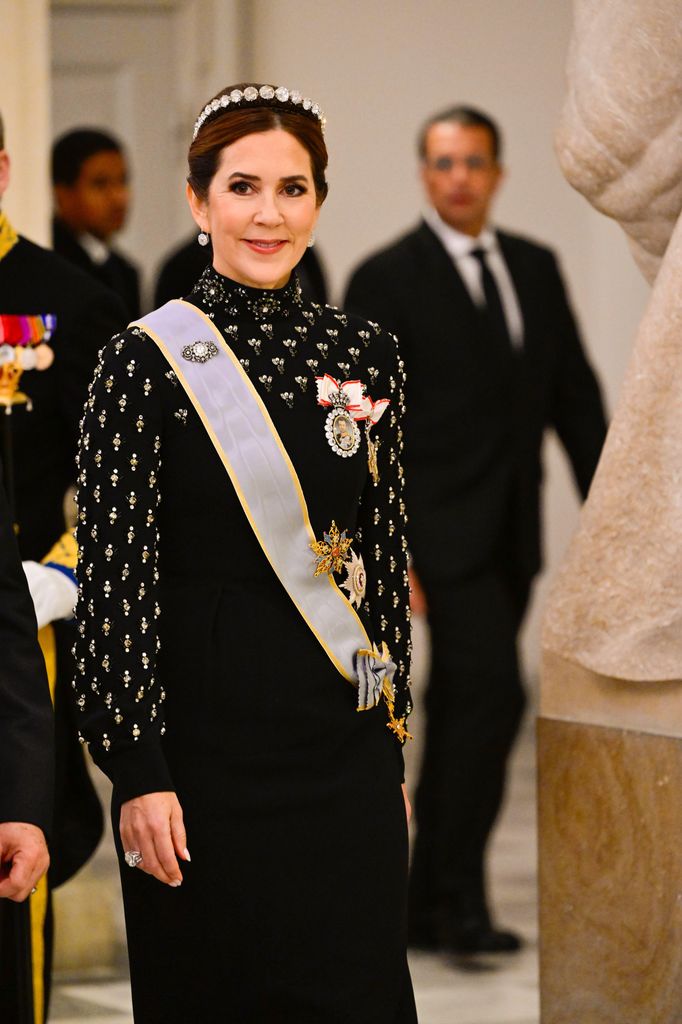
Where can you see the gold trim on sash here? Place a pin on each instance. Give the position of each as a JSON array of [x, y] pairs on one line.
[[365, 641]]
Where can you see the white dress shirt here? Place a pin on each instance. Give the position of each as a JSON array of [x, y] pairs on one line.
[[98, 252], [459, 247]]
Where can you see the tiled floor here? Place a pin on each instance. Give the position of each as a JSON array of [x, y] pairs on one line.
[[496, 990]]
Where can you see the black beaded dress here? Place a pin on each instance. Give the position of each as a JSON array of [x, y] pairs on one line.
[[196, 673]]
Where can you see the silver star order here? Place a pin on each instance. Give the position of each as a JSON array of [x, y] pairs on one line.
[[356, 579]]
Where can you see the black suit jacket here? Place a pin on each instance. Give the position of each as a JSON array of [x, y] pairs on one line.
[[26, 721], [34, 280], [117, 273], [475, 415]]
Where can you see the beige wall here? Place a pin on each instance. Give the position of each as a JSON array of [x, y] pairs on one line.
[[378, 68], [24, 102]]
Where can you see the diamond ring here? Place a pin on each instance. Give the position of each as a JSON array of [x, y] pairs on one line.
[[133, 858]]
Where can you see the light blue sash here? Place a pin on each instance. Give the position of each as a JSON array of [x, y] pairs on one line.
[[268, 488]]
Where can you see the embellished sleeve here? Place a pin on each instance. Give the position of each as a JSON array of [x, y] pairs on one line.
[[118, 693], [382, 523]]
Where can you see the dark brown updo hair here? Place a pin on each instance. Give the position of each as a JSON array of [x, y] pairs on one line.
[[228, 124]]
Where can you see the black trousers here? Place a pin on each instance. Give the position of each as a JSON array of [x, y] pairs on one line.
[[474, 704], [18, 976]]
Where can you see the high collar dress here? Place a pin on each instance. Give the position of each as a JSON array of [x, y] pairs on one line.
[[196, 673]]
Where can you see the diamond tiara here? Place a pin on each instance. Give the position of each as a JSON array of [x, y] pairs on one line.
[[280, 96]]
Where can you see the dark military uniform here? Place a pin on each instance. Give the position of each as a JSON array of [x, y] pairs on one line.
[[35, 281], [26, 755]]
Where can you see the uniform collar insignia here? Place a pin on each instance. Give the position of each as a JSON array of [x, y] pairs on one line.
[[8, 236]]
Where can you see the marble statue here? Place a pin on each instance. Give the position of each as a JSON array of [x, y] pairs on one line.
[[616, 604]]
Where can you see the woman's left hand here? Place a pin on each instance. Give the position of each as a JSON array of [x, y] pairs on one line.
[[408, 805], [152, 825]]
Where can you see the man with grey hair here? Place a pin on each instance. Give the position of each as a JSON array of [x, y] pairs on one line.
[[493, 359], [43, 297]]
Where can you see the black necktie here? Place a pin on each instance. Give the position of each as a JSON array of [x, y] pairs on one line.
[[493, 303]]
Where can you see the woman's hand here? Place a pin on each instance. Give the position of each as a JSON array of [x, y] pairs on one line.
[[152, 824], [408, 805]]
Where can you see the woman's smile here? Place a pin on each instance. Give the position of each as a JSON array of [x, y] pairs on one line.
[[265, 247]]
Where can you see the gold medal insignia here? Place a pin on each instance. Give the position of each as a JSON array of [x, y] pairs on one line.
[[331, 551]]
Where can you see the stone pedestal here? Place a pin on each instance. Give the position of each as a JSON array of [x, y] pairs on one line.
[[610, 824]]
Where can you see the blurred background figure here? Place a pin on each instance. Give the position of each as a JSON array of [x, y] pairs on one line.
[[493, 359], [91, 182], [183, 267], [53, 320]]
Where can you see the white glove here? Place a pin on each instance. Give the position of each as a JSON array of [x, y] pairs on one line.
[[53, 593]]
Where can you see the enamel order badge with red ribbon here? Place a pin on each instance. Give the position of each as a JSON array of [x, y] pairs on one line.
[[349, 405]]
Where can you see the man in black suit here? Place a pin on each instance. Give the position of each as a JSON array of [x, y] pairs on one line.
[[38, 286], [92, 195], [493, 358]]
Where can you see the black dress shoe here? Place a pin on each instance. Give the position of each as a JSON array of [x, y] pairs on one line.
[[482, 938]]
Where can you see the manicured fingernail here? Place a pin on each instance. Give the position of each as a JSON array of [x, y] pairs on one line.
[[186, 854], [175, 885]]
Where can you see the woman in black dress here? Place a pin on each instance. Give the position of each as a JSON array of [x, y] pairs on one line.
[[236, 614]]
